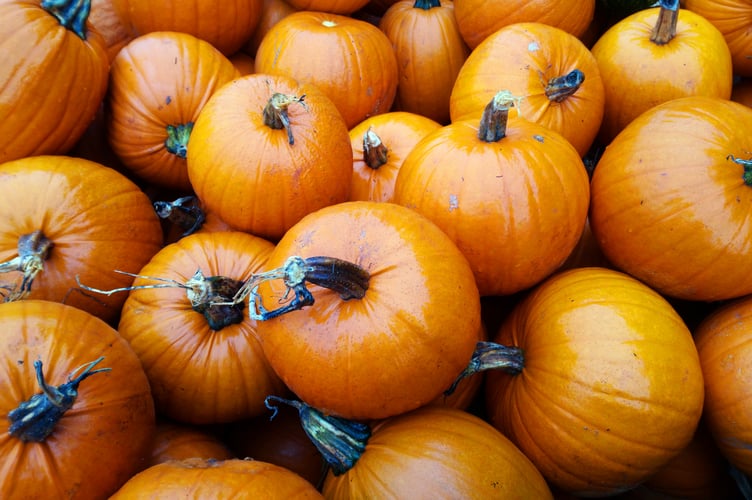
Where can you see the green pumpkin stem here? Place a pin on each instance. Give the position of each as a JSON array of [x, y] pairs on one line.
[[491, 356], [35, 419], [340, 441], [665, 27], [426, 4], [71, 14], [561, 87], [276, 115], [177, 139], [746, 165], [375, 153], [33, 249], [493, 122]]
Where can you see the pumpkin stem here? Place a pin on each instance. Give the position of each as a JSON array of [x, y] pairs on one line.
[[491, 356], [71, 14], [493, 122], [177, 139], [33, 249], [747, 165], [35, 418], [374, 151], [275, 112], [426, 4], [340, 441], [665, 28], [184, 212], [561, 87]]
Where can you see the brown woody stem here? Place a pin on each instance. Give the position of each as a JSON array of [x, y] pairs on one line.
[[491, 356], [665, 27], [493, 122], [184, 212], [33, 249], [561, 87], [276, 115], [375, 153]]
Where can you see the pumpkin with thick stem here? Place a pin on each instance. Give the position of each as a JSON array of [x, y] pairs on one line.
[[393, 310], [675, 213], [267, 150], [520, 185], [77, 412], [53, 76]]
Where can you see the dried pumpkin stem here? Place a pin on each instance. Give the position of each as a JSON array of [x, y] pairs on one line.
[[375, 153], [665, 27], [746, 165], [35, 419], [493, 122], [184, 212], [340, 441], [72, 14], [561, 87], [177, 139], [276, 115], [33, 249], [491, 356]]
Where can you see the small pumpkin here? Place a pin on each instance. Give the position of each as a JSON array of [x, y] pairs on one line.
[[175, 441]]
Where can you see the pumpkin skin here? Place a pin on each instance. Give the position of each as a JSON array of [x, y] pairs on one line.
[[210, 375], [656, 201], [639, 74], [436, 452], [51, 79], [330, 6], [376, 161], [505, 60], [96, 219], [398, 347], [732, 18], [349, 60], [430, 52], [249, 174], [479, 19], [227, 25], [199, 478], [271, 12], [104, 438], [723, 344], [173, 441], [611, 388], [152, 99], [106, 21]]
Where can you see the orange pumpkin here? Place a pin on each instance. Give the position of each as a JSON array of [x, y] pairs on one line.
[[389, 348], [675, 213], [53, 76], [204, 361], [77, 413], [511, 194], [271, 12], [267, 150], [349, 60], [158, 84], [732, 18], [174, 441], [430, 52], [329, 6], [105, 20], [67, 218], [553, 72], [196, 479], [380, 144], [603, 384], [656, 55]]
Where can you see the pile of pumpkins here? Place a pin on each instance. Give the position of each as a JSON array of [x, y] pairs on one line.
[[375, 249]]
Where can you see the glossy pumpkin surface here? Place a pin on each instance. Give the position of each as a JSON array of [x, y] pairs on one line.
[[611, 388], [104, 438], [396, 348], [732, 18], [675, 213]]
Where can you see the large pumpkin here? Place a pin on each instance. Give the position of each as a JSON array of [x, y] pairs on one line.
[[53, 76], [604, 385], [63, 219], [732, 18], [89, 427], [395, 344], [267, 150], [671, 196]]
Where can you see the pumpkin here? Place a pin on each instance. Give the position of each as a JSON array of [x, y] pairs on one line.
[[226, 25], [349, 60], [267, 150], [77, 413], [656, 55], [521, 186], [597, 380], [732, 18], [394, 318], [197, 478], [723, 344], [477, 19], [158, 84], [343, 7], [204, 361], [65, 219], [105, 20], [674, 213], [380, 144], [430, 52], [53, 76], [553, 72], [271, 12], [174, 441]]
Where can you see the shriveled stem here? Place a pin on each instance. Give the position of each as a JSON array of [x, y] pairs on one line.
[[561, 87], [493, 122], [375, 153], [184, 212], [491, 356], [276, 115], [665, 27], [33, 249]]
